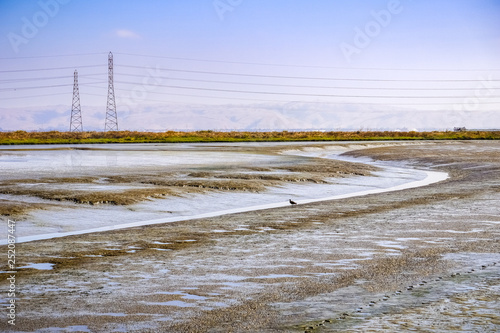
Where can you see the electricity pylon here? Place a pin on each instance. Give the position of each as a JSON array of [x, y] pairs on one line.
[[111, 123], [75, 124]]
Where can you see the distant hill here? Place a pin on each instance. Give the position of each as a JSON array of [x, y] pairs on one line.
[[251, 117]]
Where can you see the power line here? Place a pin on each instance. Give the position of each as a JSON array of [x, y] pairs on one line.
[[54, 56], [307, 102], [239, 91], [255, 63], [33, 96], [287, 93], [260, 100], [292, 86], [248, 92], [233, 82], [267, 92], [47, 69], [306, 66], [36, 87], [257, 75], [231, 91], [318, 102], [40, 87], [305, 77], [296, 102], [45, 78], [281, 101], [34, 79]]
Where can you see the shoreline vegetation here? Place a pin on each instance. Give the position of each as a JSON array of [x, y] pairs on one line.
[[56, 137]]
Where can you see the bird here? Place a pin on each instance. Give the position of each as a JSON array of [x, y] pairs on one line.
[[292, 202]]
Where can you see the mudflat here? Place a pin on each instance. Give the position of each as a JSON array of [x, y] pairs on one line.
[[423, 259]]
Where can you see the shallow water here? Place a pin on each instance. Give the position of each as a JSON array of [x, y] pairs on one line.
[[71, 219]]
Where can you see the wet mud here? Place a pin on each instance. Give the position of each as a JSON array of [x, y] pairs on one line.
[[423, 259]]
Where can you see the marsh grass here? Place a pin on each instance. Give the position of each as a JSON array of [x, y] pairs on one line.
[[267, 177], [60, 180], [222, 184], [55, 137], [332, 168], [125, 197], [16, 208], [147, 185]]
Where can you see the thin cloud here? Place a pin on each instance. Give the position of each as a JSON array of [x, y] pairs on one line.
[[124, 33]]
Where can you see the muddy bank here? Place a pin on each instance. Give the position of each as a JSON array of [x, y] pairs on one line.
[[388, 262], [130, 175]]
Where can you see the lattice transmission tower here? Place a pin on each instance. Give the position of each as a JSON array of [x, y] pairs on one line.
[[75, 123], [111, 123]]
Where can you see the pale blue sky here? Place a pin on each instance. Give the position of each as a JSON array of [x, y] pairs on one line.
[[444, 38]]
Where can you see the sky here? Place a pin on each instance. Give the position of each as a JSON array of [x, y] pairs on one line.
[[252, 64]]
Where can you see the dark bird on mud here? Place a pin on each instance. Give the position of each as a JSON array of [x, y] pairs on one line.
[[292, 202]]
